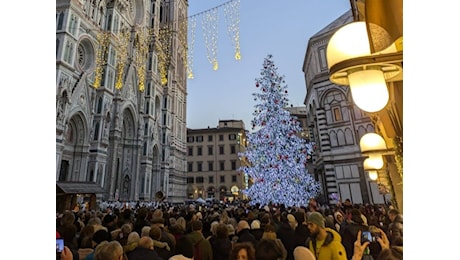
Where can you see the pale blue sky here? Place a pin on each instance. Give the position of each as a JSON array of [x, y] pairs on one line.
[[280, 28]]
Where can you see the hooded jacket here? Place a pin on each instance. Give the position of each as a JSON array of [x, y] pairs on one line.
[[332, 248]]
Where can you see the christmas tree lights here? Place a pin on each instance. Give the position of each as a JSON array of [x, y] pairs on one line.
[[276, 156]]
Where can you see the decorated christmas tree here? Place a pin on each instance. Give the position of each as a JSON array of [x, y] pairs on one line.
[[275, 155]]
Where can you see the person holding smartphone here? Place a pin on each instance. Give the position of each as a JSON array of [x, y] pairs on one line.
[[65, 254], [349, 230], [388, 252]]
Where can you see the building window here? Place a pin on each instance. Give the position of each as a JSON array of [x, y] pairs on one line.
[[147, 106], [200, 150], [209, 138], [96, 131], [322, 58], [99, 105], [232, 137], [199, 138], [221, 137], [210, 166], [232, 149], [146, 129], [222, 166], [211, 179], [200, 166], [233, 165], [60, 21], [337, 114], [190, 151], [221, 149], [190, 139], [222, 179], [210, 149], [199, 179], [190, 180], [190, 167], [233, 178]]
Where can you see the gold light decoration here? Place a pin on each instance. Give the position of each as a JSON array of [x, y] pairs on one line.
[[142, 49], [191, 37], [210, 33], [122, 54], [398, 143], [182, 37], [162, 47], [103, 40], [232, 11], [209, 23]]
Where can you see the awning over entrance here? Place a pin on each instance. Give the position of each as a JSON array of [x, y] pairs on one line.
[[78, 188]]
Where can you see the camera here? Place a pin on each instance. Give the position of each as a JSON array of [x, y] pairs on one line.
[[59, 245]]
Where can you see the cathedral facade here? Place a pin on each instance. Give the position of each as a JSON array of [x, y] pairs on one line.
[[121, 97]]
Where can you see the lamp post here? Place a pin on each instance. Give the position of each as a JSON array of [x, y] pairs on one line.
[[367, 56]]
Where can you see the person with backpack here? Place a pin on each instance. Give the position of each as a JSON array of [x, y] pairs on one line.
[[201, 246]]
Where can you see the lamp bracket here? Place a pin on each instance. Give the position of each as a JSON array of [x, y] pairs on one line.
[[389, 63], [380, 152]]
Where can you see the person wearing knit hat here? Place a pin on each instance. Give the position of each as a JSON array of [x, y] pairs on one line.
[[324, 242], [317, 219]]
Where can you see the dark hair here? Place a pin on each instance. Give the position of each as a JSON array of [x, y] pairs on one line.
[[267, 249], [243, 245], [299, 216], [155, 233], [221, 230], [184, 246], [101, 235], [269, 228], [176, 229], [142, 213], [196, 225], [392, 253]]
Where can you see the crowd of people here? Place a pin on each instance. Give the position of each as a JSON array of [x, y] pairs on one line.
[[219, 231]]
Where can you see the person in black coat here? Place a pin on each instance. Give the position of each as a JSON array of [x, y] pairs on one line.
[[144, 250], [287, 235], [244, 233], [349, 232], [141, 220], [256, 231], [220, 243], [301, 231]]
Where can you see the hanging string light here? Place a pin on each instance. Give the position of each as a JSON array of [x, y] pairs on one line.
[[122, 55], [191, 46], [141, 43], [103, 39], [182, 36], [162, 41], [232, 11], [162, 47], [210, 33]]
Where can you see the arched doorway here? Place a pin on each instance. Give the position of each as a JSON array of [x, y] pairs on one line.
[[75, 152]]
